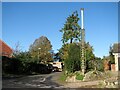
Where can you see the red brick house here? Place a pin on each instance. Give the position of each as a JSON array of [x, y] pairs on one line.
[[5, 50]]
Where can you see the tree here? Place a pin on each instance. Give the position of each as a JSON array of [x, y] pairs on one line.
[[40, 49], [24, 56], [72, 63], [99, 64], [64, 53], [17, 49], [90, 57], [71, 29], [24, 59], [111, 56], [57, 57], [71, 34]]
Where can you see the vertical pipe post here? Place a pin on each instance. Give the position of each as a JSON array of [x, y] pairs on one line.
[[82, 19], [83, 57]]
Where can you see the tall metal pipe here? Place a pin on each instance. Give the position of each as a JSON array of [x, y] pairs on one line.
[[82, 18], [83, 56]]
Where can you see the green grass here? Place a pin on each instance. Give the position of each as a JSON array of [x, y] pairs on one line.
[[63, 77], [79, 76]]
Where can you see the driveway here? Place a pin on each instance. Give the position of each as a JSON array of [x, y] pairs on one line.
[[33, 81]]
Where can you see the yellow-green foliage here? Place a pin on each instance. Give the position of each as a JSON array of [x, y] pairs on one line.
[[63, 77], [40, 49], [72, 63], [79, 76]]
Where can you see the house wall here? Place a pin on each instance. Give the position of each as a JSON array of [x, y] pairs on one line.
[[116, 56]]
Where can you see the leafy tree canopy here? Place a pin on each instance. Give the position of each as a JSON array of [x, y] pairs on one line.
[[72, 62], [63, 51], [71, 29], [40, 49]]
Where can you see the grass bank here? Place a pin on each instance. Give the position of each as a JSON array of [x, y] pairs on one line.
[[62, 78]]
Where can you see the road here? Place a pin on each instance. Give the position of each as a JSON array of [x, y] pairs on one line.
[[33, 81], [43, 81]]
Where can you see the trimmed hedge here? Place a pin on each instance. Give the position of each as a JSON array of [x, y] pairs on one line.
[[15, 66]]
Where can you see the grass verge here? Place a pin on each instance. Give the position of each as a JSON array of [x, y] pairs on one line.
[[79, 76], [62, 78]]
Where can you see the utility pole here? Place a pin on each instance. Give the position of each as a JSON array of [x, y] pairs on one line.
[[83, 56]]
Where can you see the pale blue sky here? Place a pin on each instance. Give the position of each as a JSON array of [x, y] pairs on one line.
[[25, 22]]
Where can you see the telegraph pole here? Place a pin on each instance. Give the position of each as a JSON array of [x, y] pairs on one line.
[[83, 56]]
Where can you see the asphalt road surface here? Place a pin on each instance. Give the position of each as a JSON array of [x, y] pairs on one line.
[[33, 81]]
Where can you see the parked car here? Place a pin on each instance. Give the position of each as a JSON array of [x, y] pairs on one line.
[[57, 66], [55, 69]]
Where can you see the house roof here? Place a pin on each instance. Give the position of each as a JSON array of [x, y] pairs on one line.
[[116, 48], [5, 49]]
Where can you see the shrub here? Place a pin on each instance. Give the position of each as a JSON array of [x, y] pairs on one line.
[[18, 66], [79, 76], [11, 65], [72, 63], [100, 65]]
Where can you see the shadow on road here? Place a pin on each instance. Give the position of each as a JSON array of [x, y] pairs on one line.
[[52, 83]]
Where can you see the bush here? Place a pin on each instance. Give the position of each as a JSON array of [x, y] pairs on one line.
[[79, 76], [72, 63], [17, 66], [31, 65], [10, 65], [100, 65]]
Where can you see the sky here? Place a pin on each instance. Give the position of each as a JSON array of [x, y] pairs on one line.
[[24, 22]]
